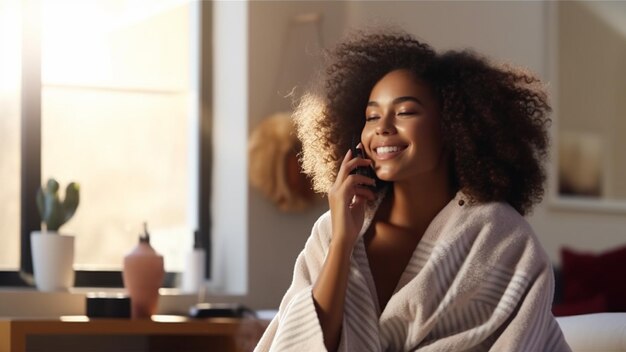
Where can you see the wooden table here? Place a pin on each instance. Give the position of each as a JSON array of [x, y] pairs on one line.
[[163, 333]]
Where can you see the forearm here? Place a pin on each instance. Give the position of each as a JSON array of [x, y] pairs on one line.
[[329, 292], [346, 200]]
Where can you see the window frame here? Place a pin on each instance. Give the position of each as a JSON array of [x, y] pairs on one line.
[[30, 152]]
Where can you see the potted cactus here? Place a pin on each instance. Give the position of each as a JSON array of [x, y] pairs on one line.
[[53, 252], [53, 211]]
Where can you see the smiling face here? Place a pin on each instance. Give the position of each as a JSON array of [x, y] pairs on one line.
[[402, 132]]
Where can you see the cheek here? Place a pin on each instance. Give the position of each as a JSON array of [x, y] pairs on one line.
[[433, 147], [427, 139], [428, 130]]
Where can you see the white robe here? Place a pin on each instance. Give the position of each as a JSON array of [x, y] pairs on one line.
[[478, 280]]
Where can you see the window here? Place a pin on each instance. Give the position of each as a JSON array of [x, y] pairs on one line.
[[10, 65], [120, 115]]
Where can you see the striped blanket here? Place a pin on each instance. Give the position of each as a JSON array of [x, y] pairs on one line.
[[478, 281]]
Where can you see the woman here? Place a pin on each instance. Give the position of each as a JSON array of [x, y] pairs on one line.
[[433, 252]]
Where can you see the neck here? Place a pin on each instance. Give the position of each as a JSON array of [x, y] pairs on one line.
[[414, 203]]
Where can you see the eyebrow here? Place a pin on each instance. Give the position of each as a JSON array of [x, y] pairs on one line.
[[398, 101]]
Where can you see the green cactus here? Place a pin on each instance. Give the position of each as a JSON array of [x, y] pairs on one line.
[[54, 212]]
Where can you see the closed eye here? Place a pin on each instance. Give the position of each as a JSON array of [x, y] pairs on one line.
[[407, 113], [371, 118]]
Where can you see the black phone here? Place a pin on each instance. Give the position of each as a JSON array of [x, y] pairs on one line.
[[362, 170]]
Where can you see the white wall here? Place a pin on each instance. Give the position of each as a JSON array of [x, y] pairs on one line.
[[276, 238], [506, 30], [511, 31]]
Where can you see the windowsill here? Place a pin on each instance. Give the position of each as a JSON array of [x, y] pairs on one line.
[[27, 302]]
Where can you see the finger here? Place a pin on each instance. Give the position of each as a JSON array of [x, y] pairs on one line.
[[347, 157], [357, 201], [361, 162], [342, 167], [345, 190], [350, 165], [358, 180], [355, 185], [365, 193]]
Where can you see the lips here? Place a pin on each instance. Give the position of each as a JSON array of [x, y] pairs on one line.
[[388, 151]]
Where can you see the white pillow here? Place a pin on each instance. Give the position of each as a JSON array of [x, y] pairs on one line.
[[601, 332]]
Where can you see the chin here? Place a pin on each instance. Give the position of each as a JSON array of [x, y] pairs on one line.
[[386, 176]]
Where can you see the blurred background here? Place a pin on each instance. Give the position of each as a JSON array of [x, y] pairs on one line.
[[149, 105]]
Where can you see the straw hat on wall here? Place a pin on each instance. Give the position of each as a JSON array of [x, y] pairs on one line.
[[274, 169]]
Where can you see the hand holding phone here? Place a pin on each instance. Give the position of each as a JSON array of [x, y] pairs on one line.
[[348, 196], [361, 170]]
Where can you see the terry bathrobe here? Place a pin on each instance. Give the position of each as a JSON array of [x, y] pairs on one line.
[[478, 280]]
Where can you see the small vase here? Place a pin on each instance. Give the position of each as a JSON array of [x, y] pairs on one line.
[[53, 260], [143, 275]]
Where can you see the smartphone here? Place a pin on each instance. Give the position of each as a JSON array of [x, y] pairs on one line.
[[362, 170]]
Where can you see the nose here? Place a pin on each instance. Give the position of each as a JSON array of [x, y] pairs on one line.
[[385, 126]]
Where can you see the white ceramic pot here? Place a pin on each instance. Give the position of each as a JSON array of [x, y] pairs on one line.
[[53, 260]]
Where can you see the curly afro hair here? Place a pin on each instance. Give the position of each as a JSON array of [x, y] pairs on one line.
[[494, 118]]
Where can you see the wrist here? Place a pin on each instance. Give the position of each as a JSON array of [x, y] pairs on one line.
[[341, 247]]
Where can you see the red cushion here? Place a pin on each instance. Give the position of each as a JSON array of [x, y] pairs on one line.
[[595, 304], [587, 275]]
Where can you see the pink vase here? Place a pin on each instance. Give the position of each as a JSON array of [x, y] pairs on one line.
[[143, 275]]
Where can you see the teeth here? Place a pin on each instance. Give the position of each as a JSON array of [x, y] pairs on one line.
[[388, 149]]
